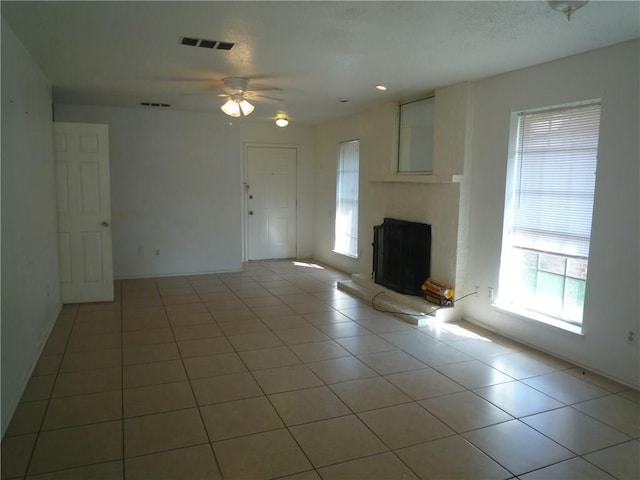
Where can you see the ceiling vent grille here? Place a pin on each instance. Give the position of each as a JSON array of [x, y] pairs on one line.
[[155, 105], [203, 43]]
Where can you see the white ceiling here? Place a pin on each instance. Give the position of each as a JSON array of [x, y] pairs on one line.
[[123, 53]]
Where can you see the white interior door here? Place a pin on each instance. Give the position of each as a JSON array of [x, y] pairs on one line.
[[84, 212], [271, 202]]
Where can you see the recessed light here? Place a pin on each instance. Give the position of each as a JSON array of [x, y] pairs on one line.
[[381, 87]]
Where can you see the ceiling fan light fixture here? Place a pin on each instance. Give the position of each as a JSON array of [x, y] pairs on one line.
[[567, 7], [282, 121], [231, 108], [246, 107]]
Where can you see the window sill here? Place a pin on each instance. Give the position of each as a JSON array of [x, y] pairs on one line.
[[528, 315], [413, 178]]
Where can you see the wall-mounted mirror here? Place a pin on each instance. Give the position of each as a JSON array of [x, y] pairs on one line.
[[415, 146]]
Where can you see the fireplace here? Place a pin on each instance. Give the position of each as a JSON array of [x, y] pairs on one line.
[[402, 255]]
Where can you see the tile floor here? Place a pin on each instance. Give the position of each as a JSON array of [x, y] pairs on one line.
[[274, 373]]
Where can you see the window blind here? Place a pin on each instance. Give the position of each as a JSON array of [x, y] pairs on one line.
[[555, 180], [347, 186]]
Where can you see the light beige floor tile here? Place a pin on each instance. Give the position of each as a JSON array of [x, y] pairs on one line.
[[286, 322], [38, 388], [202, 347], [386, 363], [177, 311], [369, 393], [190, 318], [94, 360], [254, 341], [101, 471], [425, 383], [266, 300], [197, 463], [274, 311], [381, 466], [631, 394], [316, 352], [565, 387], [451, 458], [269, 358], [438, 354], [147, 337], [621, 461], [238, 313], [517, 447], [293, 336], [482, 348], [575, 430], [309, 475], [160, 352], [311, 306], [240, 417], [519, 365], [27, 418], [157, 399], [210, 366], [342, 370], [365, 344], [263, 455], [47, 365], [518, 399], [181, 299], [344, 329], [91, 381], [83, 409], [243, 327], [87, 343], [16, 452], [569, 469], [144, 323], [473, 374], [598, 380], [464, 411], [153, 373], [193, 332], [403, 425], [336, 440], [284, 379], [77, 446], [308, 405], [146, 312], [325, 318], [163, 431], [97, 328], [225, 388], [616, 411]]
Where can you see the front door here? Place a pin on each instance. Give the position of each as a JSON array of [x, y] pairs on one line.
[[271, 202], [84, 212]]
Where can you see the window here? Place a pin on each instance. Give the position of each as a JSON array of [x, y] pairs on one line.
[[551, 182], [346, 228], [415, 146]]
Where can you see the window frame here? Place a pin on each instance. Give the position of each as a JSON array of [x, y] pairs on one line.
[[509, 296]]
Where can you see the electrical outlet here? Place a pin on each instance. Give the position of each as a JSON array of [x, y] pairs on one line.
[[631, 336], [157, 252], [490, 293], [477, 290], [141, 252]]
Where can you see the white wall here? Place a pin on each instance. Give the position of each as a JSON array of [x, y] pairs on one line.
[[30, 280], [176, 186], [611, 303]]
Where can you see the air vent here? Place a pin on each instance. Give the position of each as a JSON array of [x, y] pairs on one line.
[[155, 105], [201, 42]]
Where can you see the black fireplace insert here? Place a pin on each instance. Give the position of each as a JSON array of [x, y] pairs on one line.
[[402, 255]]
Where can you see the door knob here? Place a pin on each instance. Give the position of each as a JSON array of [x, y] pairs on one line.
[[105, 223], [250, 212]]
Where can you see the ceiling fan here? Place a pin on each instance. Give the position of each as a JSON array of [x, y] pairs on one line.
[[237, 93]]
